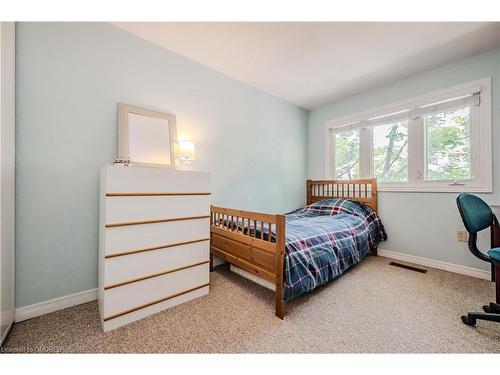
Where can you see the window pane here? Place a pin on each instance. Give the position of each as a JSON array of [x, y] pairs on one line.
[[390, 152], [347, 155], [448, 137]]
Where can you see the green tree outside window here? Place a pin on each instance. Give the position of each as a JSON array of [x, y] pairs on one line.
[[448, 145], [347, 155]]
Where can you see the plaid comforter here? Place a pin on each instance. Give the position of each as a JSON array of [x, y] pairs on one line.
[[324, 239]]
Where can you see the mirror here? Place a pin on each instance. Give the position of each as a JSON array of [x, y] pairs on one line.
[[146, 137]]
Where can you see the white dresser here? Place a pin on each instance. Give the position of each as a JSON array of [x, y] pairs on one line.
[[154, 240]]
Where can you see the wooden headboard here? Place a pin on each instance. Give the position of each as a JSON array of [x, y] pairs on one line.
[[364, 191]]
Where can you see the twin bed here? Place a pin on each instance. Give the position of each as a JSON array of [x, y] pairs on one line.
[[307, 247]]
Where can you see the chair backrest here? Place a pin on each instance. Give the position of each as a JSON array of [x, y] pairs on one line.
[[475, 213]]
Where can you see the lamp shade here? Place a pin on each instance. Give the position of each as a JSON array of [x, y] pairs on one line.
[[185, 151]]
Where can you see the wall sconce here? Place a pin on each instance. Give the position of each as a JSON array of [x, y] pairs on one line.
[[185, 152]]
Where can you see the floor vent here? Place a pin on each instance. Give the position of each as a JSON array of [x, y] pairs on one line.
[[395, 264]]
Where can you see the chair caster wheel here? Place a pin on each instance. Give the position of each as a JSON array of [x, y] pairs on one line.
[[470, 321], [487, 309]]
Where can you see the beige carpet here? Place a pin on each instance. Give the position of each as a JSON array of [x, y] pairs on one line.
[[372, 308]]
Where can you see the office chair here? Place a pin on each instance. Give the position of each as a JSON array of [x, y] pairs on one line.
[[477, 215]]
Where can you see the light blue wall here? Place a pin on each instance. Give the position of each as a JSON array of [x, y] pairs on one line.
[[69, 79], [421, 224]]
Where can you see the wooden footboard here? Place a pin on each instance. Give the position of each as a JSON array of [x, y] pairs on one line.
[[245, 239]]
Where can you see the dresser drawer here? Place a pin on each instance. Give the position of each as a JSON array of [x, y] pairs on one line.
[[139, 208], [141, 293], [132, 266], [139, 179], [142, 236]]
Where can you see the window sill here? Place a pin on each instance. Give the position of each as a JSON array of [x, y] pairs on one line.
[[434, 189]]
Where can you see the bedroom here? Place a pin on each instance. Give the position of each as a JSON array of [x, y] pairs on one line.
[[268, 196]]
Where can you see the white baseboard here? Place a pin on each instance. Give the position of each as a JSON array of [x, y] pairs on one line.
[[6, 333], [445, 266], [45, 307]]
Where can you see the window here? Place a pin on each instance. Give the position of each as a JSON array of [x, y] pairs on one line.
[[437, 142], [448, 145], [390, 152], [347, 155]]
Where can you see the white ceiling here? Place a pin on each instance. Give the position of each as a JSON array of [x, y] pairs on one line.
[[310, 64]]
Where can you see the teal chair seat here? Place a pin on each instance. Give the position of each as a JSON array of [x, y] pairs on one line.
[[495, 254]]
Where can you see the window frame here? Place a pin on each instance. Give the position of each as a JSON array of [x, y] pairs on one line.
[[481, 153]]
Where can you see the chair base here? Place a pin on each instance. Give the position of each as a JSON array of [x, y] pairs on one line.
[[471, 318], [492, 308]]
